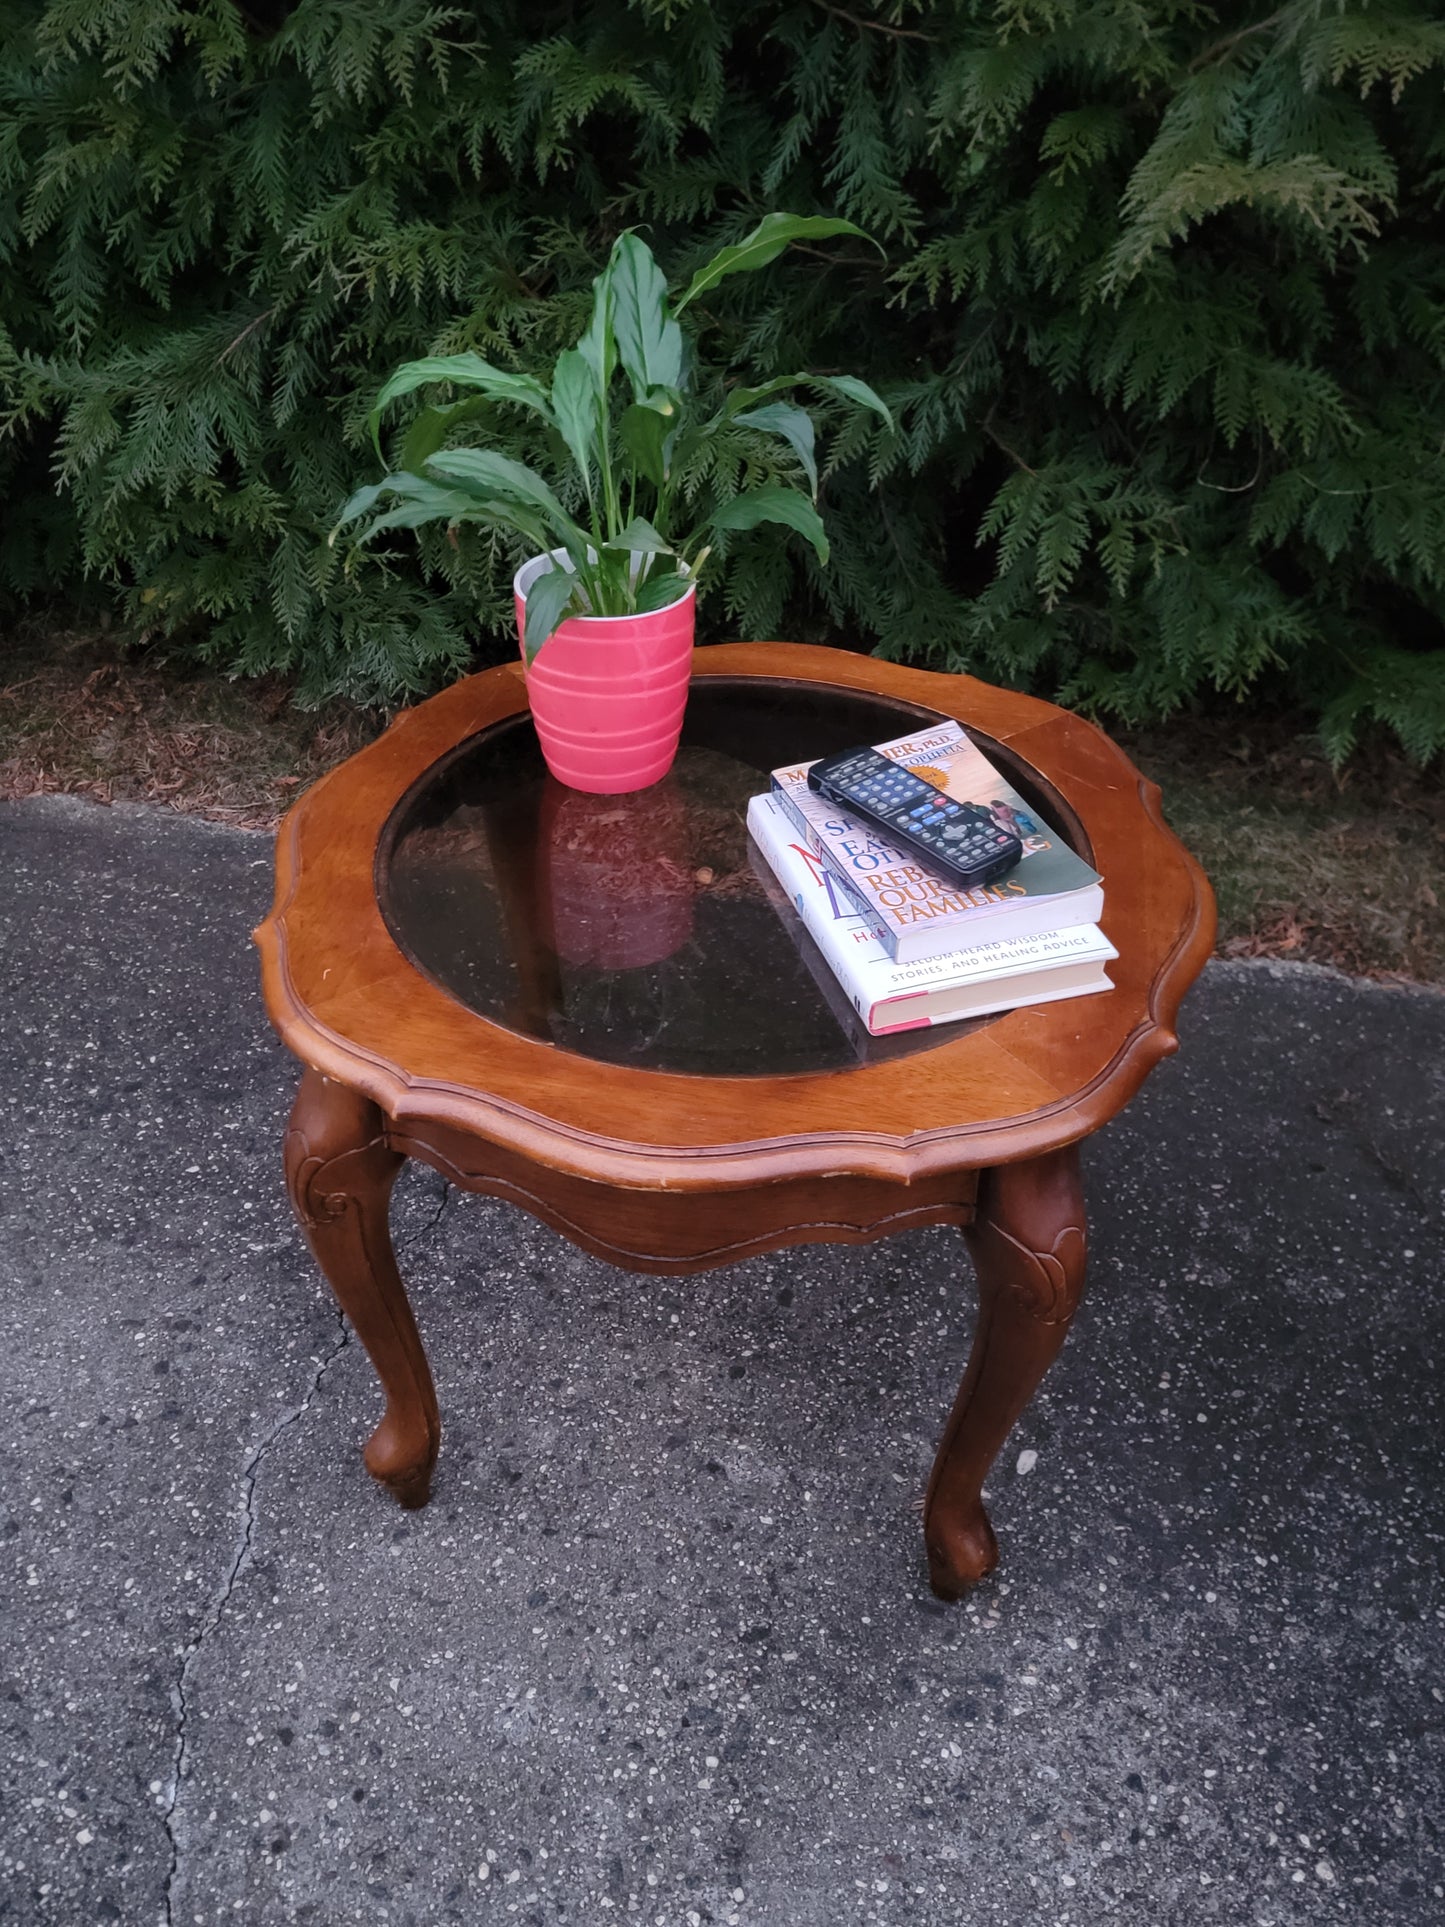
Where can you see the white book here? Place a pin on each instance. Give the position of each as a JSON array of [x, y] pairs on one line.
[[892, 996]]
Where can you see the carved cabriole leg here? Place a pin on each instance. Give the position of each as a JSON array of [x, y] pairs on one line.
[[340, 1170], [1029, 1244]]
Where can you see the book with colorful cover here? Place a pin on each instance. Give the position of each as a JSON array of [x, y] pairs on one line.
[[919, 912], [891, 996]]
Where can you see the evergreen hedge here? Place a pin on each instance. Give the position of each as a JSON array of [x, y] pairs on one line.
[[1162, 318]]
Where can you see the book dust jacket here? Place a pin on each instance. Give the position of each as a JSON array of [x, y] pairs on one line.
[[894, 887]]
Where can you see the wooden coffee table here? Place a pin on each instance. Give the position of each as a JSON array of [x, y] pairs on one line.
[[602, 1009]]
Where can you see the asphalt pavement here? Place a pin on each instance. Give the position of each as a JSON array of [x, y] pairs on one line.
[[662, 1647]]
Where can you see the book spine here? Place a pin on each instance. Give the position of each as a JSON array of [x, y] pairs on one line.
[[826, 911], [781, 793], [796, 803], [883, 930]]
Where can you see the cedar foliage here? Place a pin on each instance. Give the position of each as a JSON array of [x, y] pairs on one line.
[[1162, 324]]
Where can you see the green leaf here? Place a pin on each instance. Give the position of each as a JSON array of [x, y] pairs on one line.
[[488, 473], [848, 386], [851, 389], [609, 582], [550, 600], [610, 589], [507, 515], [495, 478], [598, 347], [575, 405], [767, 240], [358, 503], [433, 425], [774, 504], [448, 506], [644, 431], [639, 538], [745, 397], [648, 342], [423, 438], [795, 426], [410, 487], [468, 371], [659, 590]]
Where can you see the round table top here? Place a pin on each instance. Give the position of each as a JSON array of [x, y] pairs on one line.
[[617, 985]]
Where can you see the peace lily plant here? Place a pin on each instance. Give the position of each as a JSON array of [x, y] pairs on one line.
[[635, 536]]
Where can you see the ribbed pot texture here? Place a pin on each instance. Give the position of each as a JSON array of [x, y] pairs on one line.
[[608, 692], [617, 888]]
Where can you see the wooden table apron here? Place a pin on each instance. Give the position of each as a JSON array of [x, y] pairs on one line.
[[980, 1131]]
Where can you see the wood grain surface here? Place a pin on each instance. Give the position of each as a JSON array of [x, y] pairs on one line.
[[348, 1001], [660, 1171]]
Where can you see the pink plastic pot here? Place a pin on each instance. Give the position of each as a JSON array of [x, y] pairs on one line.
[[608, 692]]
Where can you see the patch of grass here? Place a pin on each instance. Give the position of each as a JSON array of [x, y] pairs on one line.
[[1345, 869]]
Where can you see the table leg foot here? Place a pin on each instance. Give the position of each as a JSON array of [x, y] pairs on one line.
[[961, 1551], [401, 1457], [1029, 1248], [340, 1171]]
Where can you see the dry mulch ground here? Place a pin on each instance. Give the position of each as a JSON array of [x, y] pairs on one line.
[[79, 715], [1344, 868]]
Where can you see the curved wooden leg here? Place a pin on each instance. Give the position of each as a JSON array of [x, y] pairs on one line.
[[339, 1171], [1029, 1245]]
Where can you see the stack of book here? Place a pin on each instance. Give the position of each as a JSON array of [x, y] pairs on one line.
[[908, 946]]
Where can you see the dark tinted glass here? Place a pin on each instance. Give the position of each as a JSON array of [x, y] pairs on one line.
[[643, 929]]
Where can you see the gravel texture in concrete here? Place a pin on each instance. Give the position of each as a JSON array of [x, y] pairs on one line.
[[662, 1648]]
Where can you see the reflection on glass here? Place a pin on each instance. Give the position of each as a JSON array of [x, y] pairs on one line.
[[635, 929], [617, 884]]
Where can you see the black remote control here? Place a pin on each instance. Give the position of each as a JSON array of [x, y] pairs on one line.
[[961, 840]]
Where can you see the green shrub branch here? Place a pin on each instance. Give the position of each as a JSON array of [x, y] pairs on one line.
[[1161, 327]]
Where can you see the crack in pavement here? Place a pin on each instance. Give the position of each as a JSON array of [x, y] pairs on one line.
[[449, 1191], [241, 1558], [1399, 1179], [1345, 1108]]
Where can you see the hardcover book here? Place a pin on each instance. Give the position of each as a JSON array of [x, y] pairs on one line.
[[920, 913], [891, 996]]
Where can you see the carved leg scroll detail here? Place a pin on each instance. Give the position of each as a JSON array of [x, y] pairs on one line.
[[1029, 1246], [340, 1171]]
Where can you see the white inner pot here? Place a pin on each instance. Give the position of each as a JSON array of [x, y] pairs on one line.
[[559, 559]]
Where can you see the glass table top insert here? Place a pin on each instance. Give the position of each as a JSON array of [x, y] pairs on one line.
[[643, 929]]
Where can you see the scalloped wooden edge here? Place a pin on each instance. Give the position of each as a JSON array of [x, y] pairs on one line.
[[566, 1144]]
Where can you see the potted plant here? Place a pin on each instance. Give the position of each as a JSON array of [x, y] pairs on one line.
[[605, 606]]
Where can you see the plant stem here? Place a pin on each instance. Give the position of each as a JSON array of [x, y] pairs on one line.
[[609, 484]]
